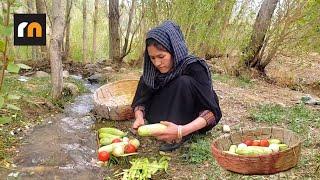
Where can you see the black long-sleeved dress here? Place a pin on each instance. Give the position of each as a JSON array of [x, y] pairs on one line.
[[181, 100]]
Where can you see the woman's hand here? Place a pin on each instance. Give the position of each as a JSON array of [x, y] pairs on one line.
[[137, 123], [170, 134]]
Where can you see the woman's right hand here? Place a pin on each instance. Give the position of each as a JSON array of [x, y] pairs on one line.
[[137, 123]]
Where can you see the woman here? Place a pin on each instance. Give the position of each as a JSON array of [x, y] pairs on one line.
[[175, 89]]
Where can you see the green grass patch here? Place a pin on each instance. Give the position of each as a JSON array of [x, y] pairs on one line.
[[31, 92], [198, 151], [242, 81], [298, 117]]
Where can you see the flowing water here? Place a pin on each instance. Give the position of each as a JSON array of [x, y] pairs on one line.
[[63, 147]]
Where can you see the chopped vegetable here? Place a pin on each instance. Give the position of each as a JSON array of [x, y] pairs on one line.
[[149, 130], [143, 169]]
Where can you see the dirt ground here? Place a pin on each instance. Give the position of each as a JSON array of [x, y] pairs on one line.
[[43, 157]]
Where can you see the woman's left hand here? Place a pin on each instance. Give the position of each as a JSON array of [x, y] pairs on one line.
[[170, 134]]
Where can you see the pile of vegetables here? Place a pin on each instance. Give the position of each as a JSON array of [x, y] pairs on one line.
[[257, 147], [142, 168], [113, 142]]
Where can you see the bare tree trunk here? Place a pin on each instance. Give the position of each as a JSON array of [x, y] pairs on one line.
[[6, 13], [41, 9], [260, 28], [67, 27], [34, 49], [85, 33], [55, 47], [126, 40], [114, 37], [95, 21], [154, 7], [143, 31]]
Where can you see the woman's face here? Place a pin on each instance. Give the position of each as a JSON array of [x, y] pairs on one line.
[[161, 59]]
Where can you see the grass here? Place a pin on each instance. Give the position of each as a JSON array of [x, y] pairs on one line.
[[298, 118], [242, 81], [35, 94], [199, 151]]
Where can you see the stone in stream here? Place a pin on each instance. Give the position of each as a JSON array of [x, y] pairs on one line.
[[65, 74], [308, 99], [70, 89], [96, 78], [40, 74]]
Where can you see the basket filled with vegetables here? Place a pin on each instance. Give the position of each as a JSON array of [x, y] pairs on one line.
[[258, 151], [113, 100]]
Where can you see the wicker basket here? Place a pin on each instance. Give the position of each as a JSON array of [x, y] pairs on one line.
[[263, 164], [113, 100]]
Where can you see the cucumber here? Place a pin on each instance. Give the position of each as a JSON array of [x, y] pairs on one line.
[[113, 131], [274, 141], [150, 129], [283, 147], [233, 148], [253, 150], [105, 141], [110, 136]]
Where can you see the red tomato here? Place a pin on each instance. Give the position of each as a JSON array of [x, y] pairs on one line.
[[103, 156], [129, 149], [248, 142], [256, 143], [116, 140], [264, 142]]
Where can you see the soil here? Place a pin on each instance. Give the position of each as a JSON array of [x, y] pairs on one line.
[[64, 146]]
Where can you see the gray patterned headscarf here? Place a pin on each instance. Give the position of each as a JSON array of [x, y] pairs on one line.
[[169, 35]]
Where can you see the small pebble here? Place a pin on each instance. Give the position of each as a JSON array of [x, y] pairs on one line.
[[226, 129]]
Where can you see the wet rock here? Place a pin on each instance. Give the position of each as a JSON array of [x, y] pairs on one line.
[[23, 78], [70, 89], [96, 78], [41, 74], [308, 99], [91, 69], [108, 69], [65, 74], [123, 70], [90, 66], [77, 77]]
